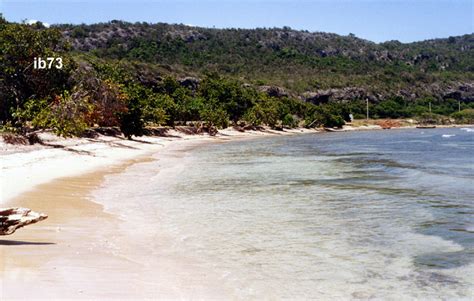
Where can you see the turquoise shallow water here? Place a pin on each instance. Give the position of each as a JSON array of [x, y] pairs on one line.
[[380, 214]]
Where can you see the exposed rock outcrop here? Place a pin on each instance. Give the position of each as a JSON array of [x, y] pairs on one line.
[[344, 94], [273, 91], [189, 82], [464, 92]]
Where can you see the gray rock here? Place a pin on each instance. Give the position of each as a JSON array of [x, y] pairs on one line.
[[189, 82], [344, 94], [273, 91]]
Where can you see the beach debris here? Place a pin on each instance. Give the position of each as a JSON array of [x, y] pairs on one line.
[[14, 218], [387, 124]]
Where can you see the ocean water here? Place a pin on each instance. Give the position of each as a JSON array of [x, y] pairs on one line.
[[359, 215]]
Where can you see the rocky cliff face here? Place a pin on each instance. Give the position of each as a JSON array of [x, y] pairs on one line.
[[462, 92]]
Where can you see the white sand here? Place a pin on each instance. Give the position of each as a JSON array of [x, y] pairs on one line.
[[81, 251], [23, 167]]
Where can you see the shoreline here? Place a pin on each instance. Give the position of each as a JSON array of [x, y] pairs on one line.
[[85, 250], [24, 167], [57, 257], [372, 127], [82, 238]]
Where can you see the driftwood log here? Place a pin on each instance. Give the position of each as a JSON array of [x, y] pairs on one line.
[[12, 219]]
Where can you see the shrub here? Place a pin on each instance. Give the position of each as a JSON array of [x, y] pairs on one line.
[[169, 107], [290, 121], [253, 117], [106, 96], [131, 121], [431, 118], [65, 115], [331, 120], [265, 111], [464, 116], [215, 117], [389, 109]]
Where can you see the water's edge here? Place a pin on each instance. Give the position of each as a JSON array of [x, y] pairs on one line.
[[304, 225]]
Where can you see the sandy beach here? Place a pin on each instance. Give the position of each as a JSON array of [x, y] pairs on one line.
[[83, 250], [88, 249], [186, 150]]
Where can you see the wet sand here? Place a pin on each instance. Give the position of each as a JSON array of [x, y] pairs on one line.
[[73, 237], [85, 252], [78, 252]]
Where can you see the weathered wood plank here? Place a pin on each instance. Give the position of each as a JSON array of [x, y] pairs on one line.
[[14, 218]]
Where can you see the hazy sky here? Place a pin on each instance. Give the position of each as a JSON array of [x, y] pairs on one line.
[[403, 20]]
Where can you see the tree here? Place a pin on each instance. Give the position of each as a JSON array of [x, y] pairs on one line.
[[19, 45], [131, 121]]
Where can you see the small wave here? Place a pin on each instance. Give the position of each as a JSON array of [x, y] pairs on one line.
[[467, 230], [444, 260], [447, 136], [470, 229], [467, 129]]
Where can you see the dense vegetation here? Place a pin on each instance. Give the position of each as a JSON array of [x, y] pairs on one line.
[[134, 75], [298, 61]]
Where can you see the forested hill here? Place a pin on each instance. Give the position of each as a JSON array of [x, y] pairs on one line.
[[138, 76], [313, 65]]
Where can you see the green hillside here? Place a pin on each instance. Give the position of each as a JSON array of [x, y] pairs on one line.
[[299, 61], [135, 75]]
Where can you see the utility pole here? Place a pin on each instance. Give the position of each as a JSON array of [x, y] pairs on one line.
[[367, 108]]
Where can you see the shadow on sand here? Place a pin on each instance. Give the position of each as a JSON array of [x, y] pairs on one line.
[[4, 242]]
